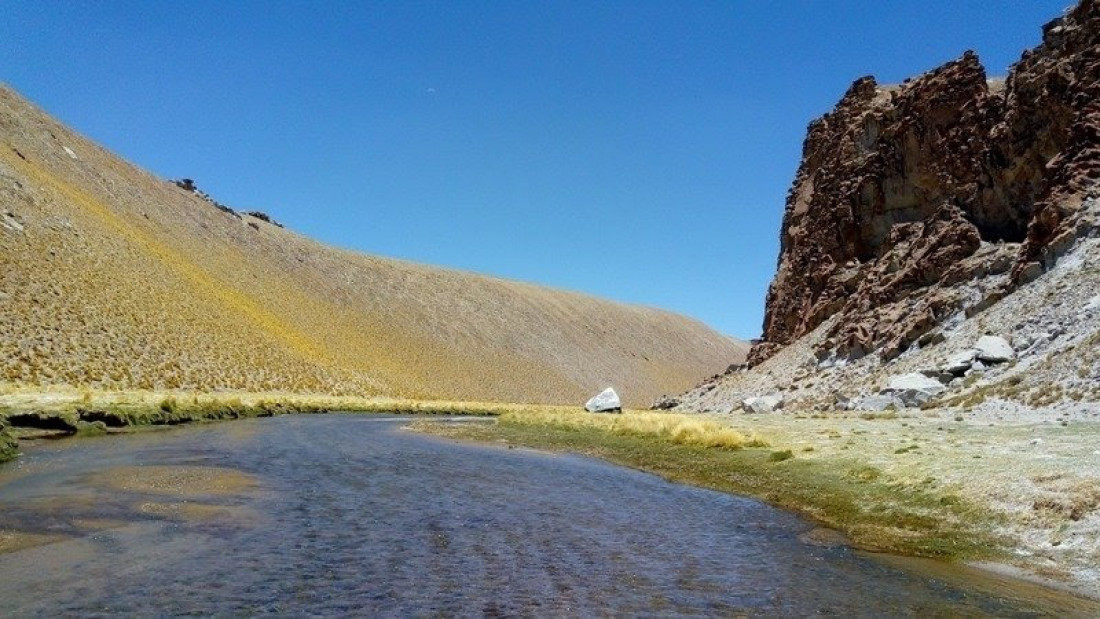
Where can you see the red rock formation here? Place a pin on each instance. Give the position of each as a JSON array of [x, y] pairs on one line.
[[899, 187]]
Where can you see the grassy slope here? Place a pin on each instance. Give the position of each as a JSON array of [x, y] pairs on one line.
[[119, 279]]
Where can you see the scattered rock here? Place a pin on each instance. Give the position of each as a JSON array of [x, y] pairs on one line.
[[8, 221], [262, 216], [69, 152], [763, 404], [958, 363], [914, 389], [994, 349], [606, 401], [666, 402], [876, 402]]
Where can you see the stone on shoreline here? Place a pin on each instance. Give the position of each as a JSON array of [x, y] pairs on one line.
[[606, 401]]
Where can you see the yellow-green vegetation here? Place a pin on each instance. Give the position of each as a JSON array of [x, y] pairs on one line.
[[29, 413], [678, 429], [112, 279], [875, 510]]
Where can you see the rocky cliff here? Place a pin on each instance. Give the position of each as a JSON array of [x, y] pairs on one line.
[[939, 196]]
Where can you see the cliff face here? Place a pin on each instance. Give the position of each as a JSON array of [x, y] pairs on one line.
[[907, 195]]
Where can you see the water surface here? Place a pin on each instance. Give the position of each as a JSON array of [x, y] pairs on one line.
[[345, 514]]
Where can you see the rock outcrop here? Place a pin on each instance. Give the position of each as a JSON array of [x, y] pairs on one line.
[[907, 195]]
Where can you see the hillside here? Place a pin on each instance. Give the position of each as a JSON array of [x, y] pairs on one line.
[[112, 278]]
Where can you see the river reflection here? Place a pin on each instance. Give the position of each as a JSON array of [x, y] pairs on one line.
[[345, 514]]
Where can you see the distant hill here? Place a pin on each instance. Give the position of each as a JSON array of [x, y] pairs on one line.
[[113, 278]]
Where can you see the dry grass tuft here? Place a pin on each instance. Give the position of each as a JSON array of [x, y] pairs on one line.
[[676, 428]]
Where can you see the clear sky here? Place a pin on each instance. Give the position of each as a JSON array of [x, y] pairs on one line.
[[636, 150]]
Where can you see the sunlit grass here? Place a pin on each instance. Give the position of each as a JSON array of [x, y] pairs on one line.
[[678, 429], [874, 510]]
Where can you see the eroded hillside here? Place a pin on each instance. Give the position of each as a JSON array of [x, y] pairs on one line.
[[113, 278]]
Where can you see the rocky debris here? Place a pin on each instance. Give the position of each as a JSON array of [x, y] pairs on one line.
[[9, 221], [989, 350], [913, 389], [262, 216], [606, 401], [69, 152], [763, 404], [994, 349], [874, 403], [958, 363], [188, 184], [939, 195], [665, 403]]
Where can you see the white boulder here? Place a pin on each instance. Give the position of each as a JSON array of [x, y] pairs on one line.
[[914, 389], [606, 401], [876, 402], [763, 404], [994, 349]]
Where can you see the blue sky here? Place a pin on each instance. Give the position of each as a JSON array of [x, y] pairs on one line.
[[639, 151]]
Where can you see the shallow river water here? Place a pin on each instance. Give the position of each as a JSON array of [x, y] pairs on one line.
[[345, 514]]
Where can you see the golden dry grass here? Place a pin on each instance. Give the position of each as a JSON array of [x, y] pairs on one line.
[[675, 428], [115, 279]]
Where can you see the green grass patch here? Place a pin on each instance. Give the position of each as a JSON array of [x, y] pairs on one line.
[[876, 513]]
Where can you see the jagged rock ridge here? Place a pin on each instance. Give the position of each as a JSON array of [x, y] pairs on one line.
[[940, 195]]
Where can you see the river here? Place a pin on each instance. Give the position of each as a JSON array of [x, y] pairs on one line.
[[353, 514]]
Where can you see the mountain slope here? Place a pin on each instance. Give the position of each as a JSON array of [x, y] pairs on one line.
[[113, 278]]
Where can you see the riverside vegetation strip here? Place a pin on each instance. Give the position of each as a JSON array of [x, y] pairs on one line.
[[875, 511], [849, 496], [894, 483]]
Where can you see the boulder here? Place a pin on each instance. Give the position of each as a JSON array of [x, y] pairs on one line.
[[606, 401], [763, 404], [958, 363], [877, 402], [913, 389], [994, 349]]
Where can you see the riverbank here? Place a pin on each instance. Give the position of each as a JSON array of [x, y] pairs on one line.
[[926, 483], [31, 414], [1021, 498]]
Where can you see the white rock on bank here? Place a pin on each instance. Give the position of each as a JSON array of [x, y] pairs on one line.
[[994, 349], [604, 402], [763, 404]]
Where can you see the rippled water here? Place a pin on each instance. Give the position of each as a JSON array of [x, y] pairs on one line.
[[345, 514]]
